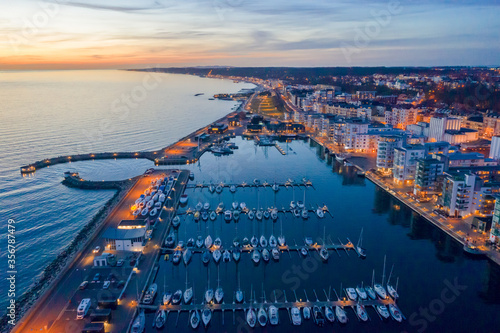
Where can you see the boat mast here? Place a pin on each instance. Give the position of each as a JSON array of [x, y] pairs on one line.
[[383, 272], [360, 240], [373, 278], [390, 274]]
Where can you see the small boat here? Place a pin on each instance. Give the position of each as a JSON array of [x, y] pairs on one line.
[[160, 318], [293, 205], [217, 255], [236, 242], [220, 208], [254, 241], [195, 319], [296, 318], [196, 216], [319, 318], [139, 323], [361, 293], [296, 212], [209, 295], [251, 318], [211, 188], [176, 221], [262, 317], [191, 175], [237, 254], [300, 204], [273, 315], [359, 247], [255, 256], [218, 189], [180, 245], [236, 215], [167, 297], [341, 315], [320, 213], [380, 290], [176, 259], [150, 294], [208, 242], [305, 214], [206, 315], [392, 291], [395, 313], [232, 188], [323, 253], [256, 181], [144, 211], [329, 314], [265, 255], [239, 296], [258, 215], [361, 312], [228, 215], [246, 242], [204, 216], [186, 256], [176, 297], [243, 205], [308, 241], [303, 251], [351, 293], [275, 187], [170, 240], [217, 242], [383, 311], [281, 240], [219, 295], [188, 295], [199, 242], [274, 215], [226, 256], [251, 215], [263, 241], [371, 293], [266, 214], [213, 216], [136, 212], [150, 204], [184, 199], [206, 257], [206, 206], [276, 254], [199, 206], [235, 204], [306, 311]]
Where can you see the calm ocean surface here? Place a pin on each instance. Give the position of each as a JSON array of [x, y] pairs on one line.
[[47, 114], [51, 113]]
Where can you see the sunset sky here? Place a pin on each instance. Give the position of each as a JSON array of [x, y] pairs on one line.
[[132, 33]]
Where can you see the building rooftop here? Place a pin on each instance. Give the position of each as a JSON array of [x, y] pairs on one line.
[[465, 156], [113, 233]]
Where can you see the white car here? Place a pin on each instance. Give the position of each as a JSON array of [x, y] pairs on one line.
[[106, 284], [97, 249]]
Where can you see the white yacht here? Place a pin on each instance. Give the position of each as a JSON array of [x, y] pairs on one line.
[[382, 311], [209, 295], [380, 290], [243, 205], [251, 318], [235, 204], [263, 241], [395, 313], [213, 215], [262, 317], [195, 319], [341, 315], [251, 215], [219, 295], [217, 255], [329, 314], [160, 318], [188, 295], [232, 188], [361, 293], [351, 293], [306, 311], [206, 316], [273, 315], [255, 256], [361, 312], [208, 242], [228, 215], [296, 318], [139, 323], [320, 213]]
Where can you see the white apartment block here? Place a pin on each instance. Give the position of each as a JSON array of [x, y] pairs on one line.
[[405, 163]]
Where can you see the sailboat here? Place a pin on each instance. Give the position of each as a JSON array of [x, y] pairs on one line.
[[273, 315], [254, 241], [188, 294], [383, 311], [176, 297], [351, 293], [329, 314], [139, 323], [208, 242], [251, 317], [213, 215], [263, 241], [209, 293], [239, 292], [272, 241], [296, 318], [167, 294], [251, 215], [359, 247], [256, 256], [361, 292], [323, 252], [160, 318], [206, 315], [275, 187], [369, 290], [195, 319], [262, 316], [339, 310], [219, 293], [390, 289], [379, 288], [199, 242], [395, 313], [236, 254], [281, 238], [361, 312]]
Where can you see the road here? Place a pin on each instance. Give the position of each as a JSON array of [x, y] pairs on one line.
[[58, 312]]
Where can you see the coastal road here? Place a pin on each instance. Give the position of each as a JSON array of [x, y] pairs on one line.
[[58, 311]]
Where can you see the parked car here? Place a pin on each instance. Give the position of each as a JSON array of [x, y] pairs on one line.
[[97, 249], [97, 277], [120, 262], [84, 284], [120, 284], [106, 284]]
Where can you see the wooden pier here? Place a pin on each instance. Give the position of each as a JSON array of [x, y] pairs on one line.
[[251, 185]]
